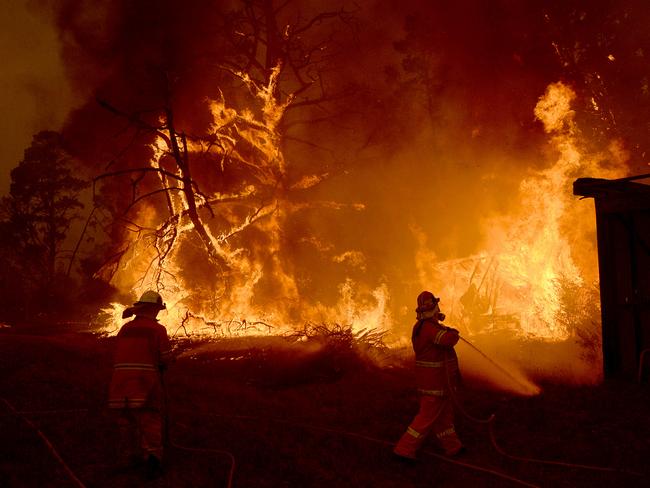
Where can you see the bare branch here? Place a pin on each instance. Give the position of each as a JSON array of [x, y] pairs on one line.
[[78, 244], [281, 7], [151, 193], [250, 220], [133, 118], [318, 19], [136, 170]]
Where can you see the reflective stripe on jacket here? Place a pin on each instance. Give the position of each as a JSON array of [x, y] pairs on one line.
[[435, 357], [139, 349]]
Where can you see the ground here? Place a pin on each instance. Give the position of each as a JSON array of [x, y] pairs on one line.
[[300, 415]]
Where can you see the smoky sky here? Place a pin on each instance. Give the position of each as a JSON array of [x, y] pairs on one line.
[[474, 65], [34, 93], [471, 71]]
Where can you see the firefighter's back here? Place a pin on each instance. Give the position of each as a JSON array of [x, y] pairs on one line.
[[136, 378]]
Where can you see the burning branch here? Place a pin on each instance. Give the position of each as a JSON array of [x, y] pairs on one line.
[[217, 326], [225, 186]]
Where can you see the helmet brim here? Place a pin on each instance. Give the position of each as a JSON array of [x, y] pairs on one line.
[[149, 304]]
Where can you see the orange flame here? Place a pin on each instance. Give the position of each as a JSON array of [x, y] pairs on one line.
[[513, 283], [227, 304]]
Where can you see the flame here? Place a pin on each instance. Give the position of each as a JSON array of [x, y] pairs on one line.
[[513, 283], [221, 295]]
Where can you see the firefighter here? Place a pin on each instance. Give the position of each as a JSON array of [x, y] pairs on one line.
[[436, 368], [136, 389]]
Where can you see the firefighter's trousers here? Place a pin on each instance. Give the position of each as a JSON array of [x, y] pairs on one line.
[[140, 433], [436, 415]]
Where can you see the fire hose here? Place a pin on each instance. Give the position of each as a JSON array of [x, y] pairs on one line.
[[490, 423], [231, 457], [73, 477], [168, 441], [374, 440], [69, 472], [51, 448]]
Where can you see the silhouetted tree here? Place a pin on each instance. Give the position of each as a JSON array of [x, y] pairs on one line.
[[36, 216]]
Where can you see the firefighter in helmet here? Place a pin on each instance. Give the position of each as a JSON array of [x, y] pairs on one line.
[[136, 389], [436, 367]]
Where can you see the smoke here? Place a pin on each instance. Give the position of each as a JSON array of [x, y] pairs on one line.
[[426, 133], [33, 89]]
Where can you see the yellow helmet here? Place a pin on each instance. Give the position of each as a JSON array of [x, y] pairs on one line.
[[151, 297]]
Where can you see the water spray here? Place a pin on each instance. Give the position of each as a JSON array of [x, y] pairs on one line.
[[496, 365]]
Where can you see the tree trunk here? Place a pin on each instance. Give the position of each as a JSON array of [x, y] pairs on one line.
[[182, 161]]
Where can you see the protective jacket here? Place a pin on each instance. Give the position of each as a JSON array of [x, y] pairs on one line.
[[140, 347], [435, 357], [436, 370]]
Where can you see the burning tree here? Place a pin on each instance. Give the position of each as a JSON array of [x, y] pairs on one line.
[[203, 115], [205, 220]]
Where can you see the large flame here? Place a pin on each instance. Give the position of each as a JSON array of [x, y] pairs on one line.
[[514, 283], [218, 295], [511, 284]]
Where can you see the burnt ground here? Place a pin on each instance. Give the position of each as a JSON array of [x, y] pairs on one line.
[[300, 417]]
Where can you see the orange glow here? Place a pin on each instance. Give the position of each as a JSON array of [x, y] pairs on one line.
[[512, 284], [231, 306]]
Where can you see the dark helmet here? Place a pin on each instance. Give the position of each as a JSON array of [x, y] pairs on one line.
[[426, 301]]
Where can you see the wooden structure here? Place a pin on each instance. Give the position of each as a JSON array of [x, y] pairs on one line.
[[623, 230]]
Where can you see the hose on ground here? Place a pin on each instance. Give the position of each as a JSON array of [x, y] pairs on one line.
[[375, 440], [73, 477], [22, 414], [490, 423], [231, 457]]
